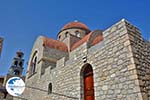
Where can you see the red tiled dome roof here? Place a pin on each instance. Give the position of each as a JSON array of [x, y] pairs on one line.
[[97, 39], [80, 42], [55, 44], [75, 25], [94, 41]]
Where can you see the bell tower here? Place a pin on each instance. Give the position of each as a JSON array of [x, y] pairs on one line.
[[16, 68]]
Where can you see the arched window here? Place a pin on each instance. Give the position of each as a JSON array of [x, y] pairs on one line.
[[87, 83], [49, 88], [33, 63], [19, 56], [78, 34], [66, 34], [59, 36]]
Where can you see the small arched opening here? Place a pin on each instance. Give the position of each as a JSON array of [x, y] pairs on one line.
[[20, 64], [78, 34], [49, 88], [66, 34], [20, 56], [16, 63]]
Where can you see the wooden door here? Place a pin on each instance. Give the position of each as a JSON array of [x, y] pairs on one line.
[[88, 84]]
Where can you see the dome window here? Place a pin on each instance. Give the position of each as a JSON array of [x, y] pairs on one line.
[[66, 34], [78, 34], [59, 36]]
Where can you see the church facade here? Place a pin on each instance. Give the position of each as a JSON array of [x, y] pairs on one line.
[[113, 64]]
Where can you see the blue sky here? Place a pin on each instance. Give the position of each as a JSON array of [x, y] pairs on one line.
[[22, 21]]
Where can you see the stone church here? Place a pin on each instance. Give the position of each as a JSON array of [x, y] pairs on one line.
[[111, 64]]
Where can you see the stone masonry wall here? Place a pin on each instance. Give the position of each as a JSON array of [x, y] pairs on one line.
[[141, 55], [115, 74], [52, 56], [66, 81]]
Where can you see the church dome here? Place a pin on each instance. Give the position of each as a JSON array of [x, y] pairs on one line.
[[75, 25]]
